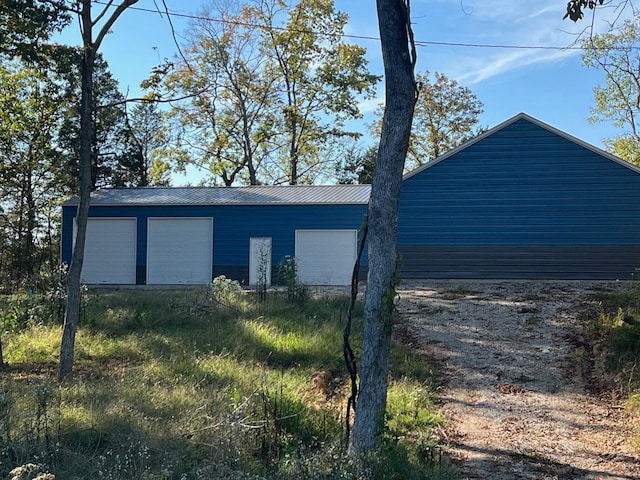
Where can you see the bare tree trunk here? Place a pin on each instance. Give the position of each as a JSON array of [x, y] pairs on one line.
[[72, 314], [90, 50], [400, 93]]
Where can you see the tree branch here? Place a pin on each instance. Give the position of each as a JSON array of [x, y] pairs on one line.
[[111, 20], [103, 13], [151, 100]]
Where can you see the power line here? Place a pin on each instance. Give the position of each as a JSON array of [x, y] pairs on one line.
[[419, 43]]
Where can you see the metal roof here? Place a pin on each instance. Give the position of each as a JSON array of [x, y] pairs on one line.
[[248, 195]]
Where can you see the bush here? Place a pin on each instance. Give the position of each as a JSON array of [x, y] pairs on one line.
[[225, 291], [297, 292]]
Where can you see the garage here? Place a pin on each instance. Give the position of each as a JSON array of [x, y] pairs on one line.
[[179, 251], [176, 243], [110, 252], [521, 201], [326, 257]]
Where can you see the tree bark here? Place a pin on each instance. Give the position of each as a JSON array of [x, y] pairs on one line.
[[400, 93], [90, 49], [72, 314]]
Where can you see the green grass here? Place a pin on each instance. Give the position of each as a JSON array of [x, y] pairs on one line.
[[617, 321], [183, 385]]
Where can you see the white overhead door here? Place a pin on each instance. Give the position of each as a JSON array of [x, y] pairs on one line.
[[110, 252], [326, 257], [179, 251]]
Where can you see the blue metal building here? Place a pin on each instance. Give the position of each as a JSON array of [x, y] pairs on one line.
[[190, 235], [523, 200]]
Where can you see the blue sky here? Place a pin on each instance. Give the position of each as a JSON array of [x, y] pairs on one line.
[[549, 84]]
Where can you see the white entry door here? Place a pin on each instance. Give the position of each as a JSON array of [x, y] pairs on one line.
[[260, 261], [326, 257], [179, 251]]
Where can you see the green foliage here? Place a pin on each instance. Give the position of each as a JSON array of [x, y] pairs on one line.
[[170, 384], [357, 166], [626, 147], [297, 292], [267, 105], [148, 133], [393, 462], [617, 54], [39, 147], [445, 116], [21, 311], [118, 160], [618, 322], [25, 25], [31, 104], [226, 291]]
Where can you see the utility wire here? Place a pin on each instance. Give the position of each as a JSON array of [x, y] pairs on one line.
[[419, 43]]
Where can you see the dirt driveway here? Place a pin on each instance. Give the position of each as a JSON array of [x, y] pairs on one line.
[[523, 397]]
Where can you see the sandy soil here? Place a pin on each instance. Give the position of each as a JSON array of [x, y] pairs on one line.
[[525, 397]]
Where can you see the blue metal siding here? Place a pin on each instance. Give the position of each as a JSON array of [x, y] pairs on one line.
[[523, 202], [522, 185], [233, 226], [545, 262]]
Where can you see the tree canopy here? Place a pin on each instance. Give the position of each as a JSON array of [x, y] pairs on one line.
[[270, 90], [617, 53], [27, 25], [445, 116], [32, 106]]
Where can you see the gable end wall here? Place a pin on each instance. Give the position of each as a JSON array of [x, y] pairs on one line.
[[521, 203]]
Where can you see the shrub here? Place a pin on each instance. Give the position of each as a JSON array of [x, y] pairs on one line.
[[225, 291], [297, 292]]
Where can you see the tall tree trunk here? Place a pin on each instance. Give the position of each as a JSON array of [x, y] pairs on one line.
[[90, 47], [293, 156], [72, 314], [400, 93], [30, 233]]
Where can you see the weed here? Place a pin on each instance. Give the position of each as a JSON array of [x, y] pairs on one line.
[[225, 291], [297, 292], [633, 404], [168, 385], [6, 402], [616, 323], [457, 292]]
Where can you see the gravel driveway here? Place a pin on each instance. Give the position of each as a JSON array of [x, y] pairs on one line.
[[523, 397]]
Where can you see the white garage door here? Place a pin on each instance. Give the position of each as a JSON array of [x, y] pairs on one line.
[[110, 252], [326, 257], [179, 251]]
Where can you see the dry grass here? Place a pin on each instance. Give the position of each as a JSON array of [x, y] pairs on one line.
[[179, 384]]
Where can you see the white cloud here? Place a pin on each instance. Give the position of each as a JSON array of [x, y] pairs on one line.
[[497, 23], [486, 22], [477, 70]]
